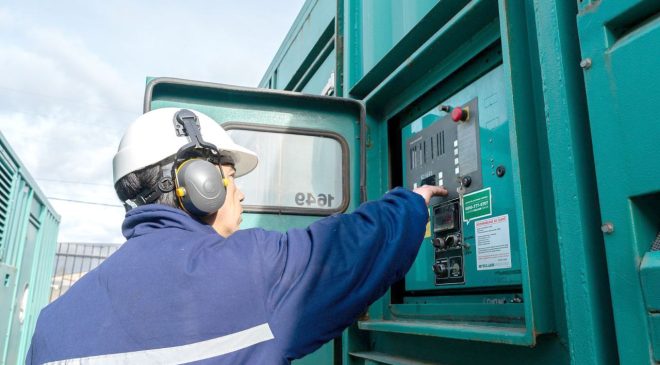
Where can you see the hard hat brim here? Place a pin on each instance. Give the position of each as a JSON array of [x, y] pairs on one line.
[[244, 160]]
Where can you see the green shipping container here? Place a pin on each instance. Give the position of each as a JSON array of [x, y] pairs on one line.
[[539, 118], [28, 234]]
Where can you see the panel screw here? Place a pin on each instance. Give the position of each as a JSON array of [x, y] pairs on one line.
[[500, 171], [585, 63], [607, 227]]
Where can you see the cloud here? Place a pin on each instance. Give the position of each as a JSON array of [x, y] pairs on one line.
[[92, 80], [63, 111], [50, 70], [6, 19], [98, 224], [54, 149], [74, 77]]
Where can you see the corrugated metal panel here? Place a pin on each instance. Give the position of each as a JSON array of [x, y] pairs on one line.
[[7, 172], [28, 231]]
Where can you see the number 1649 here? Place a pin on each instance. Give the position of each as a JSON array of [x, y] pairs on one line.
[[309, 199]]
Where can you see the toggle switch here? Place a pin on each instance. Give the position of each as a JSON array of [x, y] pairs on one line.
[[439, 243], [440, 269]]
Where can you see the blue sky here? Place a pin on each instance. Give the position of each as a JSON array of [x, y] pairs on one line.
[[73, 76]]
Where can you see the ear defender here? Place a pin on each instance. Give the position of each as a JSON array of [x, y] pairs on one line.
[[200, 187]]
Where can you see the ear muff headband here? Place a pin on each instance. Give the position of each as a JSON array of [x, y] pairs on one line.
[[200, 184]]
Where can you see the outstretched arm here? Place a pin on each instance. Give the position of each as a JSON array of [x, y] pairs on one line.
[[325, 276]]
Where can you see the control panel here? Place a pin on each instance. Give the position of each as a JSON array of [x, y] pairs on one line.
[[463, 145]]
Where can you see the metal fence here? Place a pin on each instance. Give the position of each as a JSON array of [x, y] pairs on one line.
[[73, 260]]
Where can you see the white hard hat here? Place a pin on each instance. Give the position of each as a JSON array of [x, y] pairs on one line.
[[152, 138]]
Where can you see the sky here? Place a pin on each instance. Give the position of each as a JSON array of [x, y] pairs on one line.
[[72, 77]]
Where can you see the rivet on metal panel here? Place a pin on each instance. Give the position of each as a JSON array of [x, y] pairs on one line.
[[607, 227], [585, 63]]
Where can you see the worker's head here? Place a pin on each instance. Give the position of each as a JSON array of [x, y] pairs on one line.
[[183, 159]]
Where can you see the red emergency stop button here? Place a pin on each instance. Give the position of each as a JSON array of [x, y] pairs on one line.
[[459, 114]]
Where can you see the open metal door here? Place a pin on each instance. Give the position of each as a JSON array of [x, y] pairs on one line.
[[620, 54], [311, 153]]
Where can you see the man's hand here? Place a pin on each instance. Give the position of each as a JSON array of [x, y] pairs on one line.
[[429, 191]]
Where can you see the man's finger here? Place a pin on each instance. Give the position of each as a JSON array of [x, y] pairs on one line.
[[438, 190]]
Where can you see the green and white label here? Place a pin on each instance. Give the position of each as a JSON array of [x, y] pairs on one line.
[[477, 205]]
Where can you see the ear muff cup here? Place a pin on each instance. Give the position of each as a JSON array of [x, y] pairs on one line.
[[200, 187]]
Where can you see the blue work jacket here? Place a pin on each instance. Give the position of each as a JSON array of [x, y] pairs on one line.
[[178, 292]]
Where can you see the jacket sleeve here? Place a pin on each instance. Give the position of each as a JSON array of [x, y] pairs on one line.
[[28, 358], [320, 279]]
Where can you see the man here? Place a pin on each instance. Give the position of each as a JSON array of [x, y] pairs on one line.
[[189, 286]]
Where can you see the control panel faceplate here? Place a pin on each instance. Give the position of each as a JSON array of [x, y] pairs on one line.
[[463, 144], [447, 153]]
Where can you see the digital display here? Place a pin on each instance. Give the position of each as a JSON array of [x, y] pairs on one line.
[[429, 180], [445, 218]]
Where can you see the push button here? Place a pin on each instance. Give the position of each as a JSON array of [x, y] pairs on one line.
[[459, 114]]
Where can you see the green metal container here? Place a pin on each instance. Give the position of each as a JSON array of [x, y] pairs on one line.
[[28, 233], [620, 44], [544, 252]]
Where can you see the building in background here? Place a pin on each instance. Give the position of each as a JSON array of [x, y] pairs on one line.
[[28, 236], [73, 260]]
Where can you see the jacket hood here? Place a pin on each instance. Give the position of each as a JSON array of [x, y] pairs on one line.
[[148, 218]]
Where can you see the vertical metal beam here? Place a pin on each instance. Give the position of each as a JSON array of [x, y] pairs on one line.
[[529, 151], [353, 37], [339, 49], [586, 294]]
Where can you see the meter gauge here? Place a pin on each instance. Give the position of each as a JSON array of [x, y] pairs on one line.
[[445, 217], [456, 267]]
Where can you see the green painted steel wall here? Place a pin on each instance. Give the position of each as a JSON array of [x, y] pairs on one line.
[[28, 233], [620, 44], [583, 143], [305, 48]]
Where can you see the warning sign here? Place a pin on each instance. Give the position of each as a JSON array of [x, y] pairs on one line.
[[493, 243], [477, 205]]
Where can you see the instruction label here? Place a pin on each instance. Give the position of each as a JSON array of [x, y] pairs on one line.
[[477, 205], [493, 243]]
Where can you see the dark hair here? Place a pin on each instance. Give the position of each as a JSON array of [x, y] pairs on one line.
[[129, 186]]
